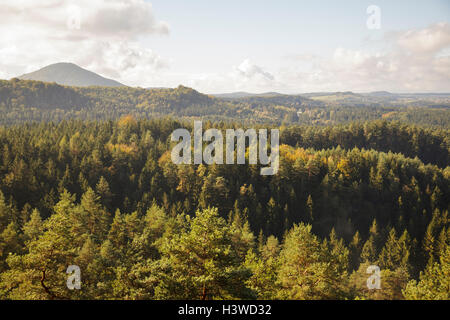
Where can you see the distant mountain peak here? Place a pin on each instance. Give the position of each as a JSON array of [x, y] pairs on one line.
[[381, 93], [70, 74]]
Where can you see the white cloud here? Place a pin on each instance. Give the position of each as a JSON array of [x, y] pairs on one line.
[[101, 35], [246, 76], [106, 36], [249, 70], [417, 60], [123, 60], [413, 61], [426, 41], [96, 18]]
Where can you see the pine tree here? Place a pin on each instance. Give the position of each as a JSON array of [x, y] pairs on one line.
[[103, 190], [203, 263], [34, 227], [306, 271], [117, 232], [370, 249], [93, 215], [434, 283], [5, 212], [355, 251], [9, 241], [40, 273]]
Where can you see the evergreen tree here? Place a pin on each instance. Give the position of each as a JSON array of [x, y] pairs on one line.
[[203, 264], [434, 283], [306, 271]]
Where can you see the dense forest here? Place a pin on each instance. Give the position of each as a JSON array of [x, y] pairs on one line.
[[105, 196]]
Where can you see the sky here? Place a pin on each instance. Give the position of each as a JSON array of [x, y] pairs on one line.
[[288, 46]]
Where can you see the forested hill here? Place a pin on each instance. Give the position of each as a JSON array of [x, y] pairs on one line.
[[26, 100], [45, 95]]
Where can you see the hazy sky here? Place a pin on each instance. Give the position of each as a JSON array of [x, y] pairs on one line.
[[224, 46]]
